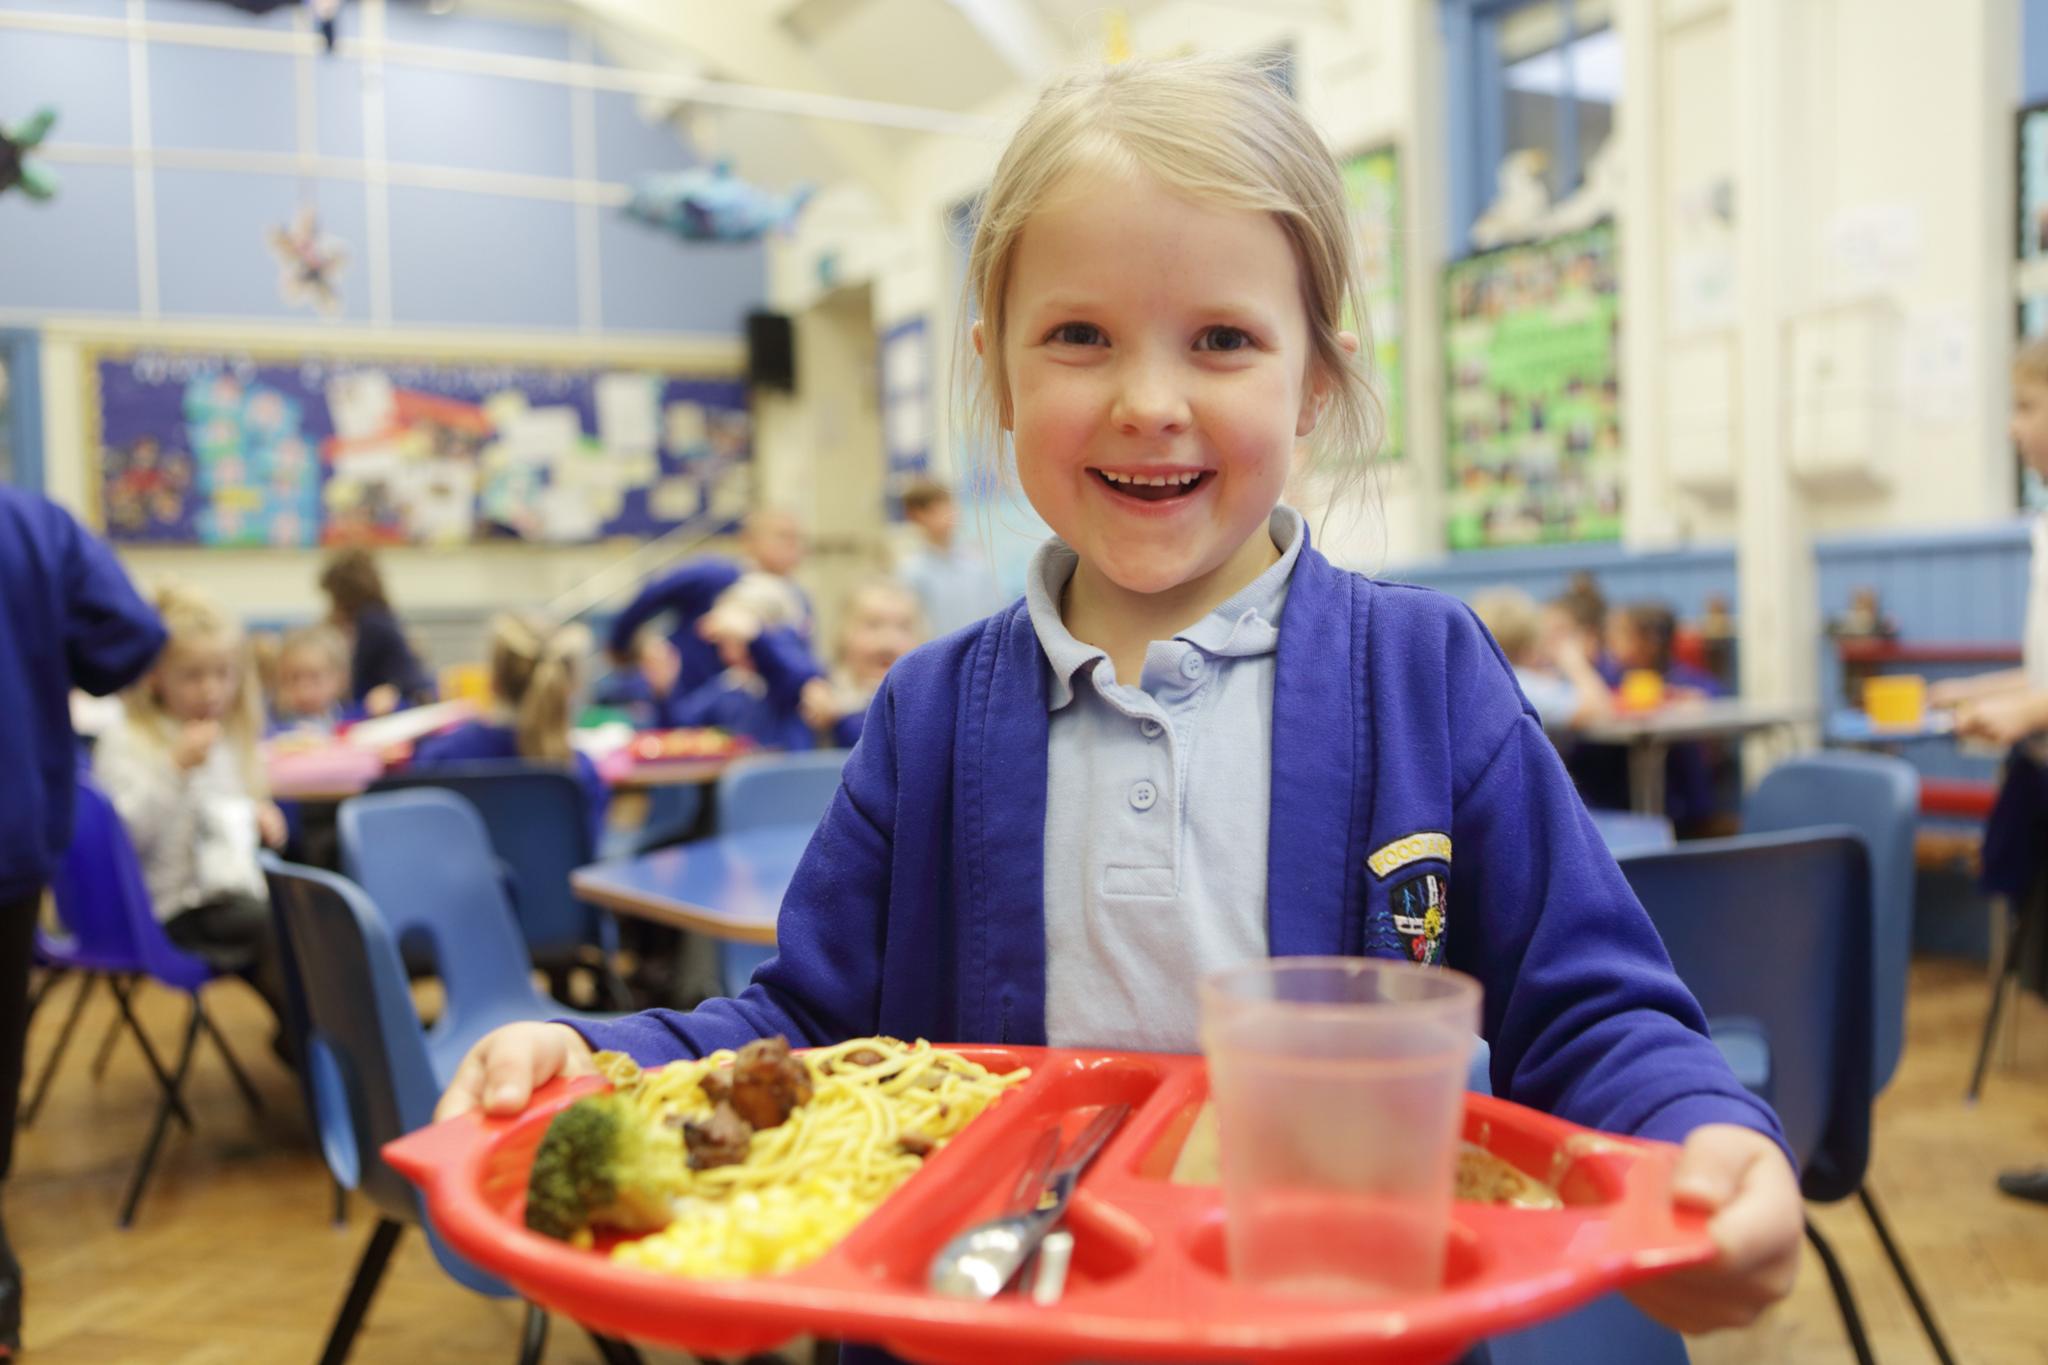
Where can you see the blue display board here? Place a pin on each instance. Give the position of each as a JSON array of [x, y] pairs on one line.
[[219, 449]]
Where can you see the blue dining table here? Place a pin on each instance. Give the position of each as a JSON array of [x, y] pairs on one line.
[[728, 887]]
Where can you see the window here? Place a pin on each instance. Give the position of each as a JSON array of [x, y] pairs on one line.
[[1543, 76]]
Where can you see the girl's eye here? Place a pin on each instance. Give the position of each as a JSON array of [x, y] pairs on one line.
[[1075, 334], [1224, 339]]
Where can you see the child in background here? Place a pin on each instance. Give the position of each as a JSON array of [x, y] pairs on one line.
[[1554, 674], [181, 768], [310, 691], [1197, 742], [1640, 637], [384, 673], [878, 625], [535, 678], [68, 618], [767, 665], [772, 545], [953, 582]]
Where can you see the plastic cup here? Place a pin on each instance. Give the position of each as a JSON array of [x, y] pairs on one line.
[[1642, 689], [1339, 1091], [1896, 701]]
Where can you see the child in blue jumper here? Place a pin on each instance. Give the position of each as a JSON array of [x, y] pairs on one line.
[[535, 677], [1196, 741]]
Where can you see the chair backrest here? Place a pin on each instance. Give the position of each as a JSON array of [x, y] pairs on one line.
[[425, 861], [539, 827], [1625, 832], [778, 789], [1878, 796], [104, 903], [366, 1052], [1776, 928]]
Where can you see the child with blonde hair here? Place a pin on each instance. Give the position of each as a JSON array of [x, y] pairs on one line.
[[1197, 742], [309, 692], [879, 623], [536, 679], [181, 767]]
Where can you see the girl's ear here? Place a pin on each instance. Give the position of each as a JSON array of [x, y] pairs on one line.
[[980, 338], [1316, 394], [979, 341]]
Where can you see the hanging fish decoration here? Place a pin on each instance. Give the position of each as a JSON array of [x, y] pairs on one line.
[[15, 145], [711, 204]]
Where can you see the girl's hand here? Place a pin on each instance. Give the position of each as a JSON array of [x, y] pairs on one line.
[[381, 700], [660, 666], [818, 705], [270, 825], [2003, 719], [1759, 1217], [195, 741], [502, 1071]]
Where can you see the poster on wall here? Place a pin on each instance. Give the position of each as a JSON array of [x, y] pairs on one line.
[[1372, 181], [906, 366], [1533, 396], [2031, 274], [201, 448]]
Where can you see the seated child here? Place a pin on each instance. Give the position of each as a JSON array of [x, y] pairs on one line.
[[767, 665], [878, 625], [1553, 673], [182, 769], [384, 673], [310, 696], [534, 682]]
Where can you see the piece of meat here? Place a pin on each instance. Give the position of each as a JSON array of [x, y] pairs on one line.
[[917, 1144], [767, 1082], [720, 1140], [716, 1085]]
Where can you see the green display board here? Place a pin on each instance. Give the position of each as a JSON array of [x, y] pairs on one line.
[[1372, 180], [1533, 396]]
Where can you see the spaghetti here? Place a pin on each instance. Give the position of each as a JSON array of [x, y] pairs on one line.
[[877, 1106]]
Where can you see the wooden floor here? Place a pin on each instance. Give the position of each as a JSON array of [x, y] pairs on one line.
[[233, 1258]]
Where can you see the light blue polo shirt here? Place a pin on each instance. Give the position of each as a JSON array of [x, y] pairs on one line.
[[1157, 798]]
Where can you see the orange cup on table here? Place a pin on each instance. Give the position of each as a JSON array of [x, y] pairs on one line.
[[1896, 701], [1642, 689]]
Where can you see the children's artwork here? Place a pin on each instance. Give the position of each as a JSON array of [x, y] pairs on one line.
[[1534, 404], [2031, 277], [208, 449], [711, 204], [16, 142], [1372, 180], [309, 263]]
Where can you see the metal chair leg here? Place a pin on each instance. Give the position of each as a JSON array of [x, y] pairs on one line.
[[163, 1119], [35, 1099], [340, 1203], [1845, 1298], [613, 1350], [163, 1078], [369, 1270], [46, 982], [111, 1036], [2017, 940], [534, 1336], [1906, 1279], [227, 1055]]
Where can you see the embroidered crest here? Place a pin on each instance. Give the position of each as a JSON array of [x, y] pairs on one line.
[[1417, 909], [1413, 849]]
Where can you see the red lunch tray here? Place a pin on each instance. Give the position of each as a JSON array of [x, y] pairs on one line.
[[1149, 1279]]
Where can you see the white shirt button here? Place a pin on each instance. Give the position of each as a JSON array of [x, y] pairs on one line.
[[1143, 795], [1192, 665], [1150, 729]]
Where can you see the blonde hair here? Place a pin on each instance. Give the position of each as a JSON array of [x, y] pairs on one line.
[[1512, 617], [323, 640], [194, 621], [2030, 362], [535, 672], [1217, 131], [873, 586]]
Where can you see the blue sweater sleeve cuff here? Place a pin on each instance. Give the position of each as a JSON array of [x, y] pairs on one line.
[[1678, 1118]]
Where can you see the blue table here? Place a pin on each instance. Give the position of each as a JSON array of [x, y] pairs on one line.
[[729, 887], [1852, 729]]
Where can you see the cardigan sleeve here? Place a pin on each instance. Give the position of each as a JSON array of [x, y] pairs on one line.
[[824, 983], [688, 592]]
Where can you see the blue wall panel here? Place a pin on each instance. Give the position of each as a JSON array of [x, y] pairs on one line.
[[102, 9], [213, 99], [409, 24], [84, 79], [213, 242], [653, 282], [75, 252], [628, 146], [1684, 578], [338, 106], [452, 118], [459, 259]]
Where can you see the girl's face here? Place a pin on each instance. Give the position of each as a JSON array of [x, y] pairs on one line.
[[1626, 644], [881, 628], [196, 679], [308, 683], [1157, 350]]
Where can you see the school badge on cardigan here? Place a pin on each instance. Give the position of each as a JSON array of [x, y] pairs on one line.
[[1410, 924]]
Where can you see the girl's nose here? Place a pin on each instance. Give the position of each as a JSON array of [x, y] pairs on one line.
[[1148, 402]]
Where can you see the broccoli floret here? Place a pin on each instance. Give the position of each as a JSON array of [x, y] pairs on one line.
[[601, 1162]]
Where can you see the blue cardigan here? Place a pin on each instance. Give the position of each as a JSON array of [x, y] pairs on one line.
[[918, 909], [68, 617]]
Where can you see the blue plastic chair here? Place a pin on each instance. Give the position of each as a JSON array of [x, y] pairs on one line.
[[1878, 795], [424, 859], [372, 1080], [1625, 832], [111, 934], [1774, 931], [763, 791], [539, 829]]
